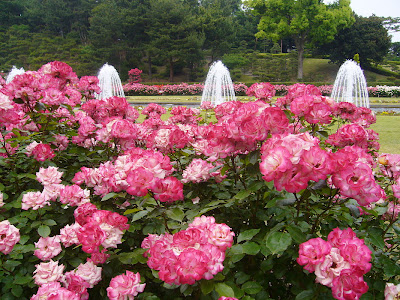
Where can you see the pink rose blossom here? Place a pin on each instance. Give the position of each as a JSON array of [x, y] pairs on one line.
[[9, 236], [349, 285], [392, 291], [68, 235], [47, 248], [125, 286], [34, 200], [50, 175], [42, 152], [312, 253], [53, 290], [89, 272], [48, 272]]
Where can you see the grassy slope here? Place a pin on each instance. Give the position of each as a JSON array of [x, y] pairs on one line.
[[320, 70]]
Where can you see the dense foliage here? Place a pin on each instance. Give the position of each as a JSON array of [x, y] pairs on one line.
[[243, 200], [366, 37], [307, 22], [163, 38]]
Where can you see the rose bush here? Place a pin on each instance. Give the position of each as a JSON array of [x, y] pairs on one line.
[[290, 201]]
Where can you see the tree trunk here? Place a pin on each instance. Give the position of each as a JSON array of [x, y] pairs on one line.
[[300, 42]]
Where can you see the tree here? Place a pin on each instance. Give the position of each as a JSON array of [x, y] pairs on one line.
[[173, 32], [367, 37], [306, 21]]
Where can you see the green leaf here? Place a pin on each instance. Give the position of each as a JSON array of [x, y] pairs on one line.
[[44, 230], [17, 291], [247, 235], [241, 277], [224, 290], [297, 235], [139, 215], [305, 295], [21, 280], [109, 196], [242, 194], [251, 248], [49, 222], [251, 287], [131, 211], [176, 214], [207, 286], [375, 237], [277, 242]]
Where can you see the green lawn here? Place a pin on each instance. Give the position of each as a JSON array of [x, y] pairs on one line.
[[388, 128]]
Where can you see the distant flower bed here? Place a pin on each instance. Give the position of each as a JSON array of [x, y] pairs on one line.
[[137, 89]]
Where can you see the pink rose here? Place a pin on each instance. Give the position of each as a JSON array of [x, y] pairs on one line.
[[350, 285], [48, 272], [34, 200], [48, 247], [42, 152], [89, 272], [312, 253], [125, 286], [53, 290], [9, 236], [50, 175]]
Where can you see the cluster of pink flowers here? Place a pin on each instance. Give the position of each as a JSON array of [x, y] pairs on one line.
[[338, 263], [89, 86], [292, 160], [200, 170], [262, 91], [189, 255], [138, 171], [390, 167], [50, 178], [49, 276], [9, 236], [134, 75], [137, 89], [98, 228]]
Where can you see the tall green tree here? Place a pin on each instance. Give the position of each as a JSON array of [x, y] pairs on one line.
[[173, 32], [306, 21], [367, 37]]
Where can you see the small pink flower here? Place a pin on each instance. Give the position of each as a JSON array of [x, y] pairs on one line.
[[89, 272], [50, 175], [68, 235], [9, 236], [48, 247], [392, 291], [53, 290], [312, 253], [227, 298], [42, 152], [48, 272], [125, 286], [34, 200]]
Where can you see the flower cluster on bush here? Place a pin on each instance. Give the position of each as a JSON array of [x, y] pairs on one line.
[[134, 75], [99, 199], [339, 263]]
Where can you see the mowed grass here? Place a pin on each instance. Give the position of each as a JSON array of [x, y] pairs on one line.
[[388, 128]]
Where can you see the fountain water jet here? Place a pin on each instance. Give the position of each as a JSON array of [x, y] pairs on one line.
[[218, 87], [350, 85], [109, 82], [14, 72]]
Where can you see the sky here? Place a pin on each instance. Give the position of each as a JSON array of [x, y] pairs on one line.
[[381, 8]]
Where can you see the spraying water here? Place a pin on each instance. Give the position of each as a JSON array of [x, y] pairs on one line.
[[14, 72], [109, 82], [350, 85], [218, 87]]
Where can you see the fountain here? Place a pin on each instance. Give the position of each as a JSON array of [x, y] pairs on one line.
[[350, 85], [218, 87], [109, 82], [14, 72]]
